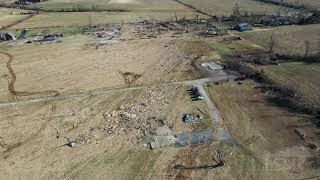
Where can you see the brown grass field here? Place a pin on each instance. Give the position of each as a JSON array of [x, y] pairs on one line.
[[89, 64], [29, 131], [98, 18], [256, 125], [77, 89], [139, 10], [265, 132], [10, 16], [308, 3], [291, 40], [113, 156], [288, 39], [8, 11], [216, 7], [130, 5], [10, 19]]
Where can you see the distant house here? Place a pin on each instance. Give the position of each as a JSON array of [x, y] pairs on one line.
[[243, 27], [7, 36]]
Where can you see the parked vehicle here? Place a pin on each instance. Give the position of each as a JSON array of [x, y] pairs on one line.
[[195, 94]]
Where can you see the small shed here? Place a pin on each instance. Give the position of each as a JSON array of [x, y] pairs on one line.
[[7, 36], [243, 27]]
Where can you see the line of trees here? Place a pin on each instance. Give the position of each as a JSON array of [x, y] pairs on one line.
[[309, 55], [297, 4], [281, 94]]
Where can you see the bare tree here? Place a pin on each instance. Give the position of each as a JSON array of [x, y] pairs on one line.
[[280, 8], [236, 12], [197, 17], [220, 29], [306, 48], [318, 48], [175, 16], [299, 3], [272, 42]]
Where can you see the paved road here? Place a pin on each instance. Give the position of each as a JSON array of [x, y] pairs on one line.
[[222, 134]]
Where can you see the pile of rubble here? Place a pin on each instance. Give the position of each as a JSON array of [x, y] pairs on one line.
[[139, 120], [106, 36], [48, 38], [7, 36], [54, 35], [146, 30], [150, 29], [76, 142], [272, 20]]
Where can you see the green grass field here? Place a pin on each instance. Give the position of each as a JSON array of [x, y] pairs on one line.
[[304, 78]]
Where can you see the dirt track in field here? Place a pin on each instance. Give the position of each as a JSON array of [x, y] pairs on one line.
[[11, 80], [10, 147]]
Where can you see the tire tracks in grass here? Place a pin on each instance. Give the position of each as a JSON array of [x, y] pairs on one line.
[[14, 95], [13, 78]]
